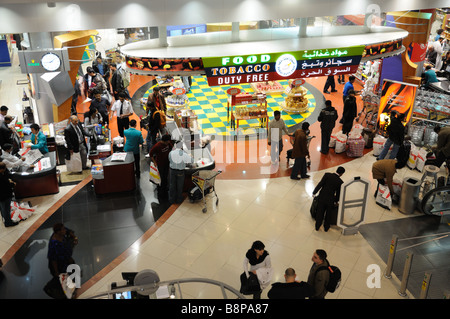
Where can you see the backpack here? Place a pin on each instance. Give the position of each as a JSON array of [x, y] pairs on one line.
[[335, 277], [162, 118], [125, 75]]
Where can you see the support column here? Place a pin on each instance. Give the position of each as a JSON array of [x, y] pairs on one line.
[[162, 32], [302, 27], [235, 32]]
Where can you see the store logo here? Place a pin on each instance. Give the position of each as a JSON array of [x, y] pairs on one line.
[[33, 63], [286, 65]]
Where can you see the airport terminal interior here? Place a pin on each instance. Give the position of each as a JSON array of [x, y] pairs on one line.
[[254, 197]]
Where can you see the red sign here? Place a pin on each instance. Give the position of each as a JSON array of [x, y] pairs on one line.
[[417, 52], [233, 91], [178, 91]]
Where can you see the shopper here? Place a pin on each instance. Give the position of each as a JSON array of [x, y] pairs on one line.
[[133, 139], [275, 136], [429, 76], [330, 82], [60, 249], [12, 161], [383, 171], [327, 119], [153, 125], [349, 113], [438, 47], [38, 139], [396, 136], [102, 105], [93, 82], [178, 160], [348, 87], [6, 133], [158, 99], [3, 112], [300, 152], [159, 154], [260, 265], [75, 140], [319, 279], [290, 289], [6, 194], [330, 190], [341, 79], [103, 69], [116, 82], [122, 109], [442, 149]]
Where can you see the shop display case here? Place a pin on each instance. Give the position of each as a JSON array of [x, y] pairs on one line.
[[114, 176], [238, 108], [270, 87]]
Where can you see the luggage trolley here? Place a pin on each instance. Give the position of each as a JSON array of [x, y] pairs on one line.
[[204, 183]]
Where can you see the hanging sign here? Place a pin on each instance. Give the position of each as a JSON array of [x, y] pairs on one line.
[[280, 66]]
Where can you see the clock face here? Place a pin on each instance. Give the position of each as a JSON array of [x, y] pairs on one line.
[[51, 62]]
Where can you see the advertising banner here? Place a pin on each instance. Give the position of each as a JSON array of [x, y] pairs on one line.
[[281, 66], [395, 96]]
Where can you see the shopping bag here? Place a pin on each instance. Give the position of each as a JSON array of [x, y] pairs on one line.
[[20, 211], [74, 163], [397, 185], [355, 146], [313, 209], [421, 159], [341, 143], [412, 160], [67, 285], [378, 143], [384, 198], [249, 285], [333, 139], [155, 178]]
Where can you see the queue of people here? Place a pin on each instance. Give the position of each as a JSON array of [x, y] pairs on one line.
[[258, 274]]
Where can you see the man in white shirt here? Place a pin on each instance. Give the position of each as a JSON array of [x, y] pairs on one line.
[[178, 159], [12, 161], [123, 110], [275, 136], [438, 47]]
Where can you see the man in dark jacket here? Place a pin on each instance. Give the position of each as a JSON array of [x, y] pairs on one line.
[[102, 105], [330, 191], [327, 119], [300, 152], [74, 135], [396, 136], [291, 289], [350, 112], [116, 81], [442, 149], [6, 133], [6, 194], [102, 68]]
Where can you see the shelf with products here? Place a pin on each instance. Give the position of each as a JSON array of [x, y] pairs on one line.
[[241, 108], [446, 26]]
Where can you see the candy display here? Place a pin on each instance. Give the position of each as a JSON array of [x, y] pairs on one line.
[[296, 100], [254, 111], [270, 87]]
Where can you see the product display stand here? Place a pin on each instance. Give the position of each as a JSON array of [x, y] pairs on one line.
[[237, 108]]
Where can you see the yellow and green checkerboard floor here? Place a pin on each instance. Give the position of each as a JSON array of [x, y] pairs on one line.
[[210, 105]]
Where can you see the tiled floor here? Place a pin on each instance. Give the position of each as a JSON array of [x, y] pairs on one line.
[[186, 243]]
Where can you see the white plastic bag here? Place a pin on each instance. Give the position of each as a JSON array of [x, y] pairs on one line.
[[384, 198], [341, 143], [397, 185], [378, 143], [421, 159], [412, 161], [74, 164], [333, 139], [155, 178]]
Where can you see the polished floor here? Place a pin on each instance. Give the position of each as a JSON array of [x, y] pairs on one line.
[[126, 233]]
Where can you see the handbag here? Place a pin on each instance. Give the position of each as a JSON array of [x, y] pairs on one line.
[[314, 204], [155, 177], [249, 285]]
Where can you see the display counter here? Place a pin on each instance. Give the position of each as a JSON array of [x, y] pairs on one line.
[[441, 86], [37, 182], [116, 176]]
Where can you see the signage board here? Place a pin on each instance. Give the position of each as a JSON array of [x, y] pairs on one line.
[[284, 65], [395, 96]]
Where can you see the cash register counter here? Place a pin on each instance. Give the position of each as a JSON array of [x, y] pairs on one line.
[[116, 177], [31, 183]]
